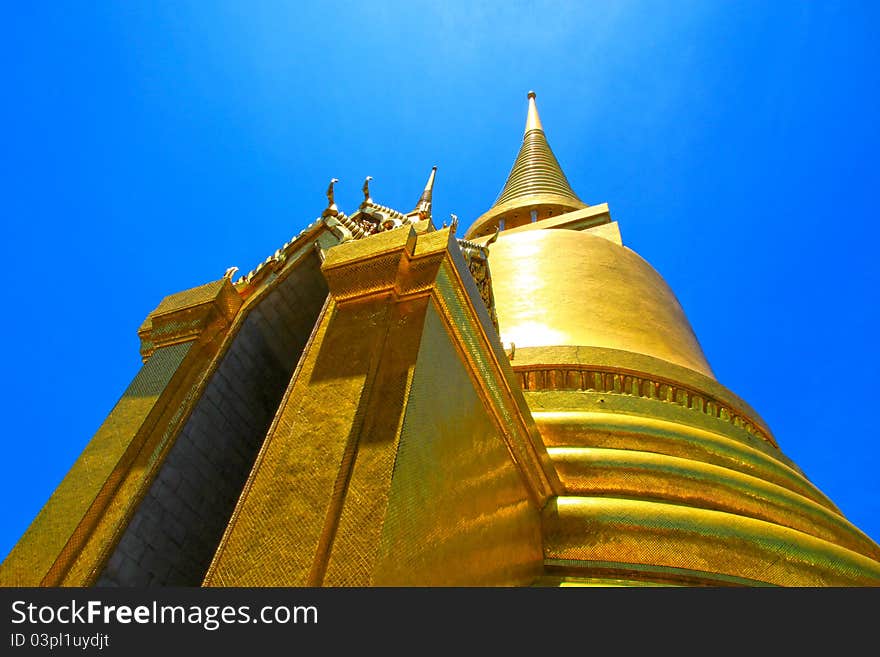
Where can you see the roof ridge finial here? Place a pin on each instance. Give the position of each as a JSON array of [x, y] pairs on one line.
[[366, 190], [533, 121], [423, 207], [331, 210]]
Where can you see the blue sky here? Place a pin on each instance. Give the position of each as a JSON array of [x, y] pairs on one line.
[[149, 146]]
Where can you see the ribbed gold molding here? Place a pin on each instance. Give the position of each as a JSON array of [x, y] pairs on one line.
[[591, 472], [623, 429], [657, 492], [639, 532]]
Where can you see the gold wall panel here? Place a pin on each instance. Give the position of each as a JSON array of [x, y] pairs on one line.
[[458, 512], [294, 492], [494, 379], [350, 556]]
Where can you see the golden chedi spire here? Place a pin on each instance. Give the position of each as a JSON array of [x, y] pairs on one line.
[[669, 477], [565, 279], [536, 187]]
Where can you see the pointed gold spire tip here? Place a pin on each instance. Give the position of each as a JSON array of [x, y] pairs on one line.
[[533, 121]]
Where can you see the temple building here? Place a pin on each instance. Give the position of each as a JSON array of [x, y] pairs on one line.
[[380, 403]]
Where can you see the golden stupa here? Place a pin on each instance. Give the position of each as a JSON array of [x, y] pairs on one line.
[[380, 403]]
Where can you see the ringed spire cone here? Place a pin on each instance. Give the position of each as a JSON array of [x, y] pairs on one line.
[[535, 183]]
